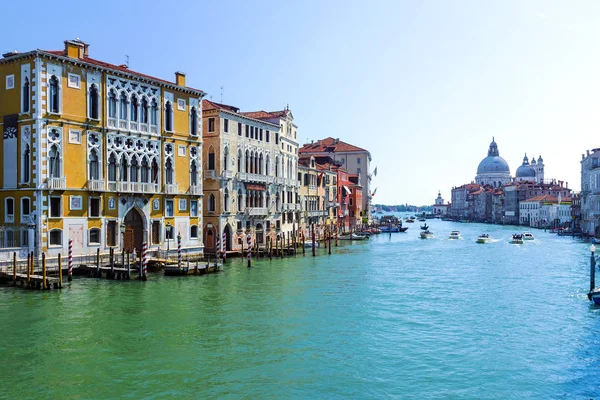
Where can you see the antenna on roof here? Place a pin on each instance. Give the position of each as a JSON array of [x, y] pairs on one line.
[[127, 60], [221, 94]]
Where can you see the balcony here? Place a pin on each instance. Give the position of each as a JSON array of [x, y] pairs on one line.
[[317, 213], [210, 174], [312, 187], [144, 128], [196, 190], [112, 122], [171, 188], [123, 124], [241, 176], [256, 211], [227, 174], [95, 185], [57, 183], [133, 126], [257, 178], [149, 187], [279, 180]]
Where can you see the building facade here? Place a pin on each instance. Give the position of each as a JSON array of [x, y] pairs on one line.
[[439, 207], [97, 154], [590, 193]]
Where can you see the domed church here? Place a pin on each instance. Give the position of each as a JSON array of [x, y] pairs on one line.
[[493, 170]]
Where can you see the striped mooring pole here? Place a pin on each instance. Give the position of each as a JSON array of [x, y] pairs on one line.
[[218, 248], [144, 261], [249, 251], [224, 247], [70, 273], [179, 250]]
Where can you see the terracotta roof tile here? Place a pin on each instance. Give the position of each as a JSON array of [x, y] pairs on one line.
[[328, 145], [211, 105]]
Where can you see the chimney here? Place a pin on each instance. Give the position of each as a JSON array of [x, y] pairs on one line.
[[76, 48], [567, 184], [588, 152], [179, 78]]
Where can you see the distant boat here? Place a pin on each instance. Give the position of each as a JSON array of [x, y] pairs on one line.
[[484, 238], [427, 235], [517, 238], [352, 236], [527, 236], [454, 235], [424, 227], [422, 219], [410, 220]]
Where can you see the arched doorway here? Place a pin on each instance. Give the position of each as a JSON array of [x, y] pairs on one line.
[[209, 239], [134, 231], [228, 237]]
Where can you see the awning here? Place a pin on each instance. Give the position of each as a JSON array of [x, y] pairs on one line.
[[252, 186], [347, 190]]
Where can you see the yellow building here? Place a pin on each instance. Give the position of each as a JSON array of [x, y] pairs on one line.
[[91, 150]]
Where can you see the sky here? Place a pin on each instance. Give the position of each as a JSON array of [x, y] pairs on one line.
[[422, 85]]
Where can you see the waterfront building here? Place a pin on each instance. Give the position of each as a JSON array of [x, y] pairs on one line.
[[439, 208], [493, 170], [96, 154], [576, 211], [250, 187], [353, 159], [529, 211], [462, 204], [317, 196], [530, 172], [519, 191], [590, 192], [546, 211], [487, 204]]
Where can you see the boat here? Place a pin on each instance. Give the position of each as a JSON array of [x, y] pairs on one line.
[[517, 238], [427, 235], [424, 227], [353, 236], [403, 229], [422, 219], [528, 236], [410, 220], [484, 238], [454, 235], [594, 295], [309, 244]]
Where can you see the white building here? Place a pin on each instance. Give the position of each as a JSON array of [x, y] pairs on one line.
[[439, 208], [590, 193]]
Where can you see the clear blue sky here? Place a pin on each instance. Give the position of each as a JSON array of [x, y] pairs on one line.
[[423, 85]]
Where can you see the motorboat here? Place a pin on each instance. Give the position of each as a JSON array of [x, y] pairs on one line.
[[410, 220], [309, 244], [403, 229], [517, 238], [427, 235], [528, 236], [484, 238], [454, 235], [422, 219], [353, 236]]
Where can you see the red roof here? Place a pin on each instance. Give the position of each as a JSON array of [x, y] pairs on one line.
[[330, 145], [548, 199], [122, 68], [211, 105]]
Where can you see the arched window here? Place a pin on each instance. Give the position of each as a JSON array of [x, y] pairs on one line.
[[267, 169], [260, 164], [54, 95], [169, 172], [94, 170], [153, 112], [246, 159], [25, 96], [276, 166], [211, 202], [25, 207], [193, 122], [123, 106], [26, 164], [226, 158], [154, 171], [194, 232], [168, 117], [268, 201], [211, 158], [239, 161], [112, 104], [226, 200], [54, 162], [144, 111], [133, 170], [133, 114], [145, 172], [94, 103], [123, 168], [240, 200], [193, 173], [112, 168]]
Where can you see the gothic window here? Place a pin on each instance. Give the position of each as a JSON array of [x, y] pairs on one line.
[[154, 171], [94, 171], [226, 158], [145, 172], [193, 122], [123, 106], [133, 171], [94, 102], [260, 164], [247, 159], [25, 170], [211, 202], [25, 96], [239, 161], [267, 169], [168, 117], [239, 200], [112, 168], [193, 174], [133, 114], [54, 95], [276, 166], [123, 168], [112, 104], [226, 200], [54, 162], [153, 112], [169, 172], [144, 111]]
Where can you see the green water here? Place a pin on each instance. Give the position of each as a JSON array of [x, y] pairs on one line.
[[394, 317]]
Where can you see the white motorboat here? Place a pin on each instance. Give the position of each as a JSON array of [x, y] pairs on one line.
[[517, 238], [427, 235], [528, 236], [484, 238], [353, 236], [454, 235]]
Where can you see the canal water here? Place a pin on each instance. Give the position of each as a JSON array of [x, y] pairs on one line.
[[393, 317]]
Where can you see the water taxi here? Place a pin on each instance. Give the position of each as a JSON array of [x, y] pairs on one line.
[[454, 235], [427, 235], [527, 236], [517, 238], [484, 238]]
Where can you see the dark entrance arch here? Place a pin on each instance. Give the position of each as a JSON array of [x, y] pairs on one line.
[[134, 231], [228, 237], [209, 239]]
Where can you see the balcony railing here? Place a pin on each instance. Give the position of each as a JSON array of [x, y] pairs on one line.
[[95, 185], [210, 174], [154, 129], [312, 187], [112, 122], [171, 188], [144, 128], [227, 174], [257, 178], [57, 183], [317, 213], [255, 211], [279, 180], [241, 176], [196, 189], [123, 124], [150, 187]]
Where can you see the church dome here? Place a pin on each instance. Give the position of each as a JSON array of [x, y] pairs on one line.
[[525, 170], [493, 162]]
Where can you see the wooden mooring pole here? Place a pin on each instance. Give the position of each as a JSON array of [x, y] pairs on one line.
[[44, 270], [59, 271], [313, 239], [14, 268], [29, 262], [98, 273]]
